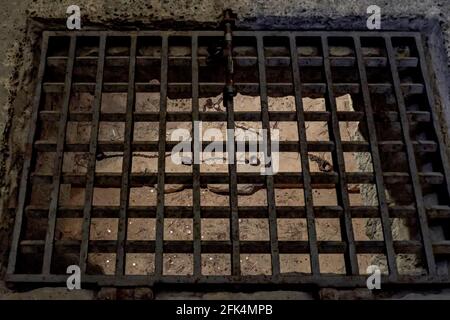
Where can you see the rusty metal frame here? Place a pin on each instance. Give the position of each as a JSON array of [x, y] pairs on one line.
[[348, 246]]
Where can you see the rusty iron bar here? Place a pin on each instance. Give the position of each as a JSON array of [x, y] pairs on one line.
[[195, 164], [351, 261], [381, 191], [303, 146], [267, 141], [90, 178], [57, 172], [127, 162], [412, 164], [228, 102], [161, 159]]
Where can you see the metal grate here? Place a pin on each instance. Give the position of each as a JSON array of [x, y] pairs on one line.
[[385, 76]]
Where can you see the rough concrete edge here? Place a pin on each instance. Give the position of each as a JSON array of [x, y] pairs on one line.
[[441, 76], [23, 59], [48, 293], [259, 295], [430, 295]]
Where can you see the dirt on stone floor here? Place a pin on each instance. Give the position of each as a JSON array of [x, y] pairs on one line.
[[179, 195]]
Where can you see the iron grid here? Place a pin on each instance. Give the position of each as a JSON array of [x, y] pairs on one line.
[[419, 176]]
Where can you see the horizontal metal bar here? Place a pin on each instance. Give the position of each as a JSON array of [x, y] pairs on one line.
[[152, 146], [295, 179], [317, 33], [214, 212], [284, 146], [246, 247], [413, 116], [258, 281], [141, 33], [240, 33], [313, 61], [204, 116], [282, 88], [438, 212]]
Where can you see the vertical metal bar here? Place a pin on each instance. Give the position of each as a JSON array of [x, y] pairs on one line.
[[431, 103], [233, 187], [161, 159], [310, 220], [384, 210], [127, 162], [195, 164], [231, 150], [351, 262], [275, 255], [28, 159], [423, 223], [90, 176], [48, 251]]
